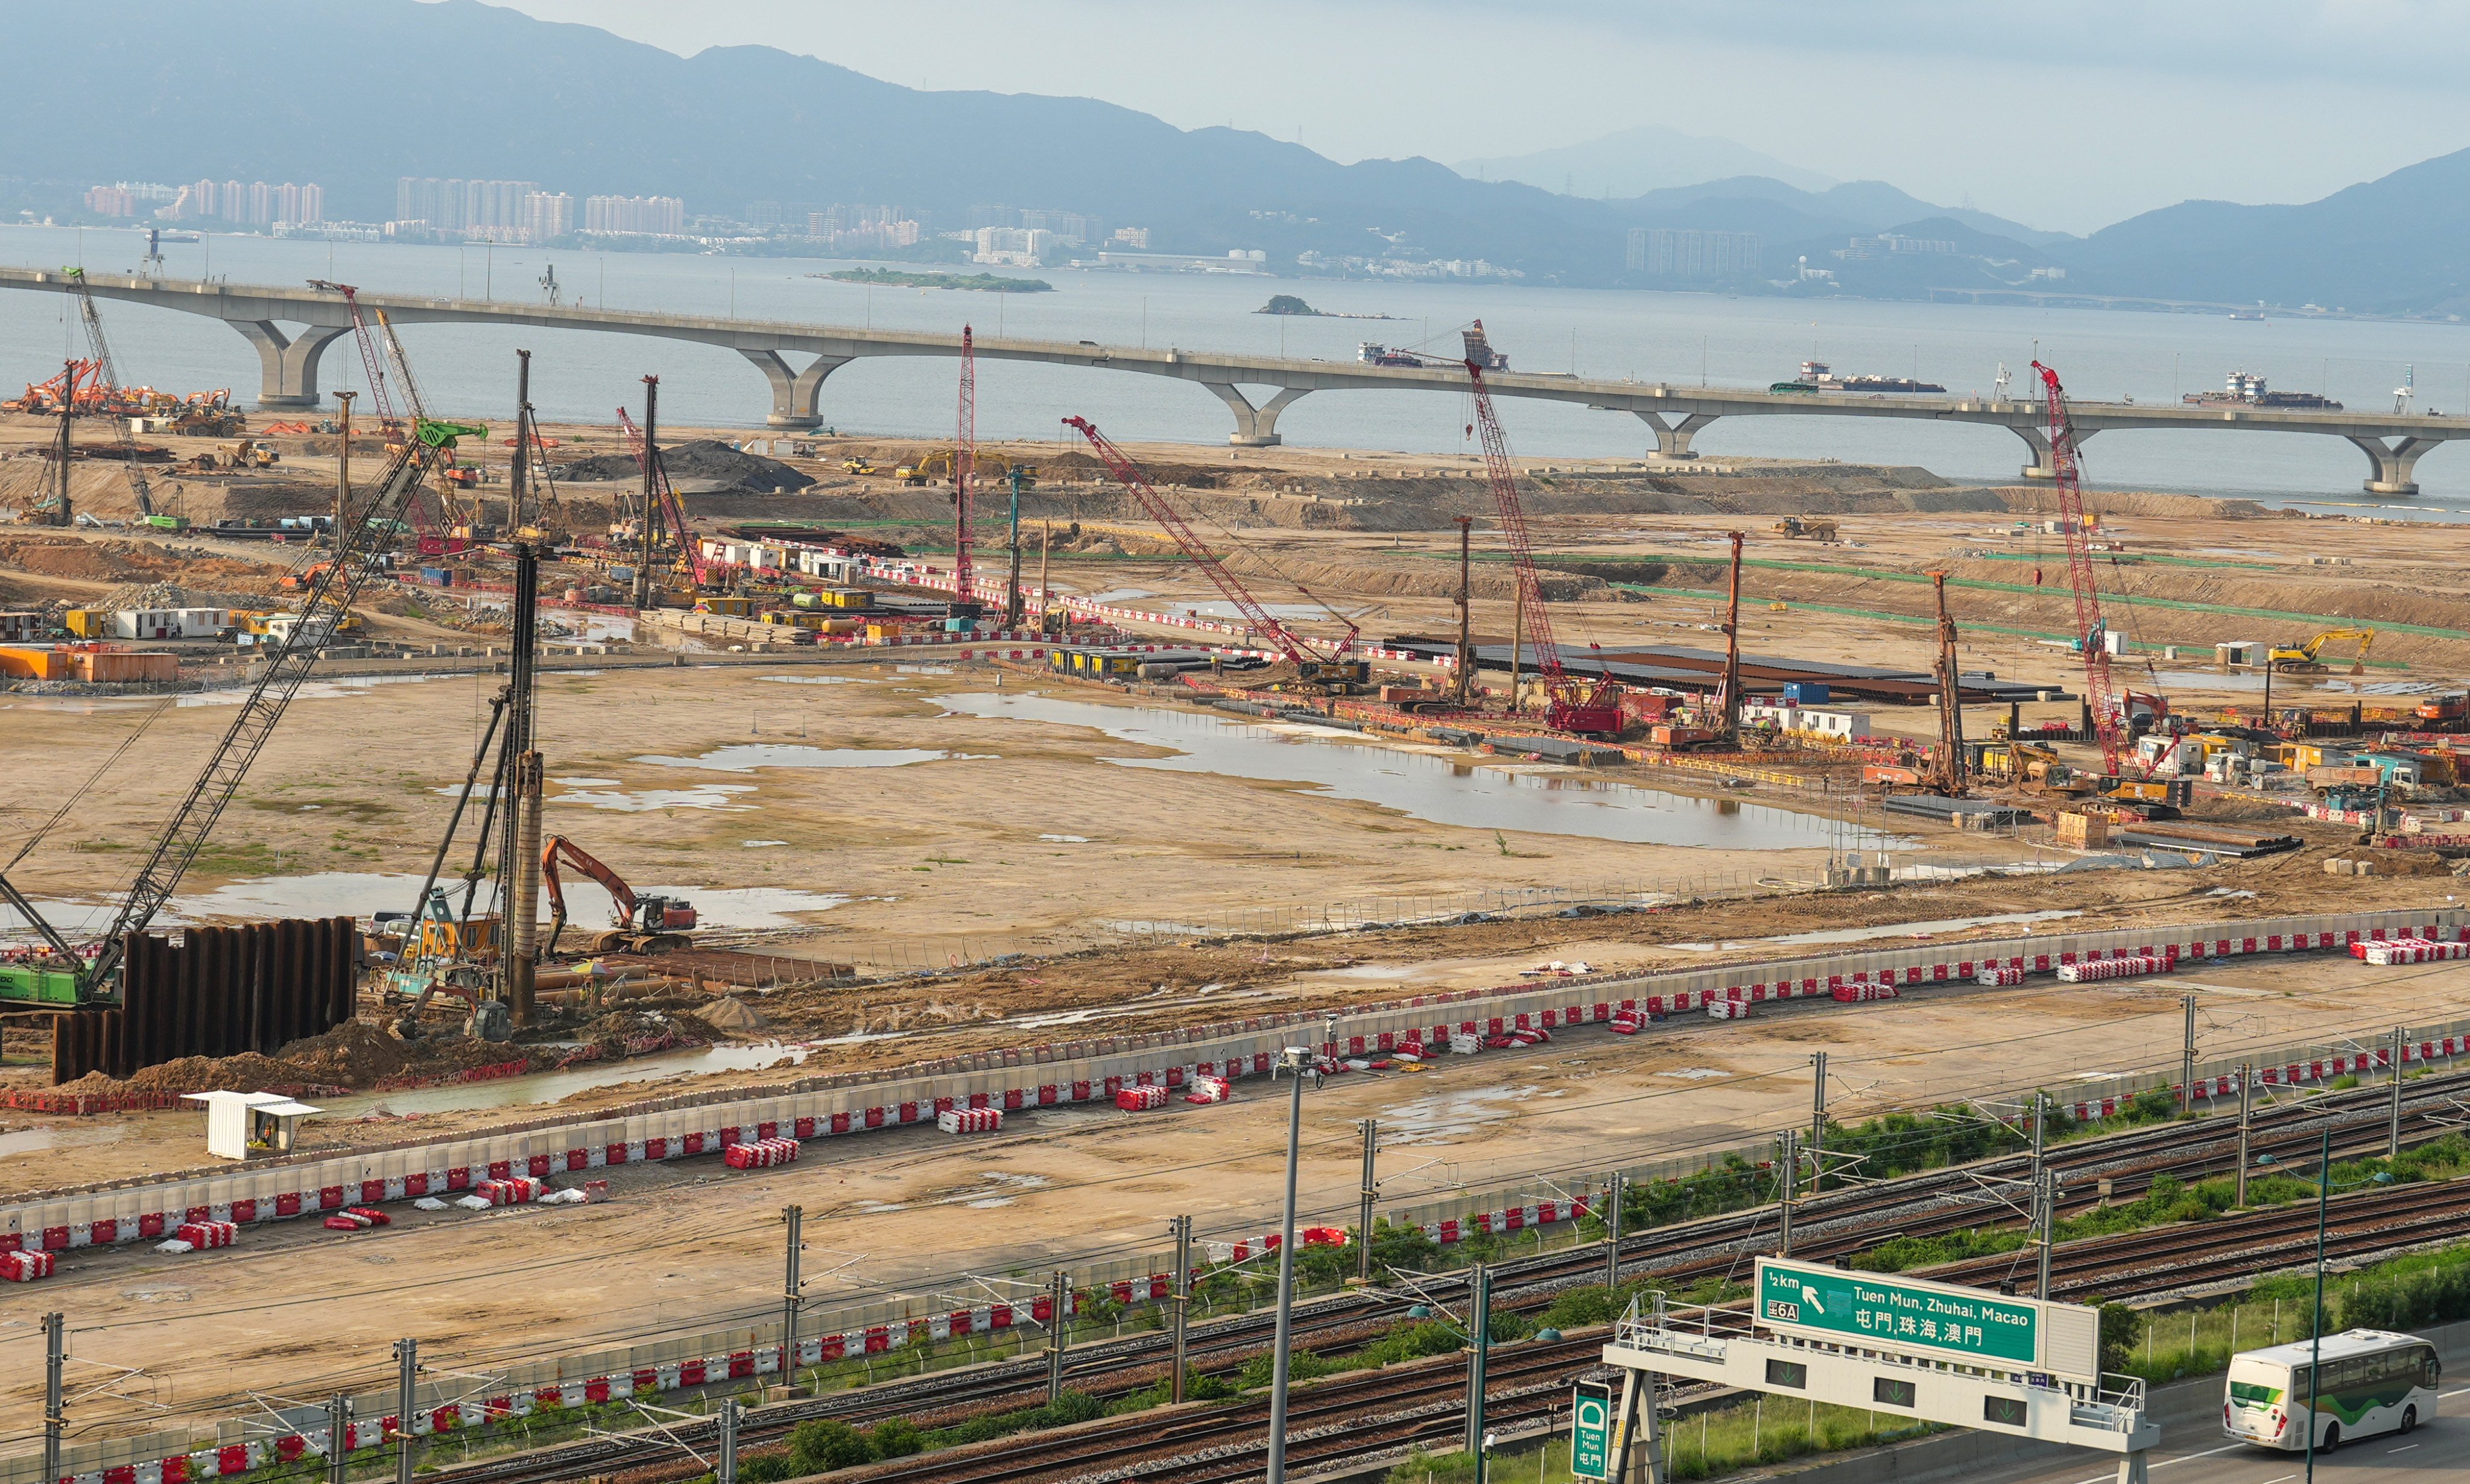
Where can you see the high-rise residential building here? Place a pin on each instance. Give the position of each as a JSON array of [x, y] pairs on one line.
[[233, 201], [483, 208], [312, 204], [1070, 225], [260, 203], [1667, 252], [763, 215], [200, 201], [1019, 246], [658, 215], [548, 215]]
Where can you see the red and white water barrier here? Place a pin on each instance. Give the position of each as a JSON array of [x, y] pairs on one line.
[[1137, 1099], [760, 1153], [2131, 967], [1855, 995], [1209, 1089], [2003, 973], [513, 1191], [1728, 1009], [207, 1234], [25, 1266], [2409, 950], [964, 1120]]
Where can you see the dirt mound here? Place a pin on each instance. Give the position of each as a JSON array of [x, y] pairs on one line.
[[2030, 500], [702, 460], [65, 556]]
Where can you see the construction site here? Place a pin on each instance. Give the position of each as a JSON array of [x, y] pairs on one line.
[[633, 837]]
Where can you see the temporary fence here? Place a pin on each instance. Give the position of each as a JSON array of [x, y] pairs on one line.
[[1544, 1206]]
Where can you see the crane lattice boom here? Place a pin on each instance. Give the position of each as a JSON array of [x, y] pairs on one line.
[[1577, 704], [1304, 655], [2100, 694]]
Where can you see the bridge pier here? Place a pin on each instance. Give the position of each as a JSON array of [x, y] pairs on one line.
[[1255, 427], [795, 395], [2393, 462], [288, 364], [1672, 439], [2040, 468]]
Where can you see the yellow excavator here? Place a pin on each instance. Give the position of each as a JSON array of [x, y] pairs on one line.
[[2300, 658], [934, 465]]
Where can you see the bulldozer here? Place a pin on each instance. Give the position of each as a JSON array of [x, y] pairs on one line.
[[1814, 528]]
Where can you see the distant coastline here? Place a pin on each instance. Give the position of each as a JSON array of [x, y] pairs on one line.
[[895, 278]]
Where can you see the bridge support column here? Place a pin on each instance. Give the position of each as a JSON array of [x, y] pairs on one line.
[[288, 364], [1255, 427], [2041, 469], [1672, 439], [2393, 462], [795, 395]]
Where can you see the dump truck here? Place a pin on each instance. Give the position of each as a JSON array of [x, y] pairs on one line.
[[1814, 528]]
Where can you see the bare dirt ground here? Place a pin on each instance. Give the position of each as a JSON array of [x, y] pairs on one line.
[[892, 825]]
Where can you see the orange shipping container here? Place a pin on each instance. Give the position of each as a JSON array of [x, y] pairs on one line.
[[34, 663], [120, 666]]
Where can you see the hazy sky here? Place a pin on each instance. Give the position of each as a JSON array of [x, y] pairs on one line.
[[2069, 116]]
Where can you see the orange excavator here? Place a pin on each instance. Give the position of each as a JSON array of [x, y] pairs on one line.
[[644, 924]]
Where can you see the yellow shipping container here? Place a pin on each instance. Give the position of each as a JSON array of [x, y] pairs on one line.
[[88, 623], [845, 597], [728, 607]]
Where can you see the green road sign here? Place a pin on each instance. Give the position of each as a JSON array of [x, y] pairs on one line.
[[1591, 1433], [1887, 1313]]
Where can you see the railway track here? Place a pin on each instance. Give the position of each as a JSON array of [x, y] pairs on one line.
[[1836, 1224]]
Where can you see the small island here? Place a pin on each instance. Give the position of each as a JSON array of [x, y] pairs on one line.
[[1290, 304], [894, 278]]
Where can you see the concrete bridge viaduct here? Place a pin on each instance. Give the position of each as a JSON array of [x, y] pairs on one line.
[[289, 360]]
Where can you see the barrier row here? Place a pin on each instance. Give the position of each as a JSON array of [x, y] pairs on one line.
[[1096, 1070]]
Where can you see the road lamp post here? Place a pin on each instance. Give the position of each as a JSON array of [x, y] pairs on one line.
[[1297, 1062], [2323, 1183]]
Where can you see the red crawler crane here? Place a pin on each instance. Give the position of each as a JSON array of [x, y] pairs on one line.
[[1312, 665], [2101, 696], [1577, 703], [964, 461], [670, 506]]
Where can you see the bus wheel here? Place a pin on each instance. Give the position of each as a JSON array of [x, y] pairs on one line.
[[2332, 1438], [2409, 1419]]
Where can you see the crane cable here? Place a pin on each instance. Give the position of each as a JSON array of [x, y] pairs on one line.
[[70, 803]]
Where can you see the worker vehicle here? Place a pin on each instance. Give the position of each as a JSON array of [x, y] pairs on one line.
[[2315, 1395], [2300, 656], [641, 924], [1815, 528], [860, 466]]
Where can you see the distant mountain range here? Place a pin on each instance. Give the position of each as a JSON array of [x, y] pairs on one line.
[[1636, 161], [175, 90]]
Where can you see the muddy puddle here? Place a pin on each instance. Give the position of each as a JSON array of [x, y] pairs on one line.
[[1438, 790], [1888, 930], [550, 1086], [362, 894], [747, 756]]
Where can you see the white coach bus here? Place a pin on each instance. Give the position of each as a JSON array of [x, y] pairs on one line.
[[2371, 1381]]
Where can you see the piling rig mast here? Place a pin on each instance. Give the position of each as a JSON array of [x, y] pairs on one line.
[[2092, 632], [1947, 773], [78, 976], [1312, 665], [439, 438], [964, 459], [1577, 704]]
